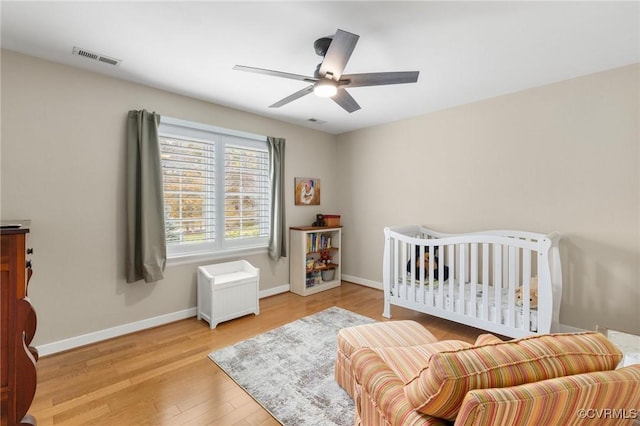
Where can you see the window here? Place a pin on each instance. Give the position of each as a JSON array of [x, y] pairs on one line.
[[216, 188]]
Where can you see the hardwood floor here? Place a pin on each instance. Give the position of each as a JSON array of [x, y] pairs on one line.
[[162, 376]]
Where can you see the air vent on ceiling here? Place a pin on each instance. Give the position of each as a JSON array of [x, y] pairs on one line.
[[315, 120], [96, 56]]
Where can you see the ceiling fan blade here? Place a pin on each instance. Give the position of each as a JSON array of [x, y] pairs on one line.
[[338, 54], [275, 73], [346, 101], [293, 97], [380, 78]]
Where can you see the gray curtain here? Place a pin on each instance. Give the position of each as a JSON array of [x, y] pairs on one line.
[[277, 234], [146, 243]]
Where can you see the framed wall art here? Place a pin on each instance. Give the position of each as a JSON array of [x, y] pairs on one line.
[[307, 191]]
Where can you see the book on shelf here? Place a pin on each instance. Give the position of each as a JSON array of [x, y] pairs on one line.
[[317, 242]]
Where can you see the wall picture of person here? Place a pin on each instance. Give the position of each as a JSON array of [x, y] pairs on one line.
[[307, 191]]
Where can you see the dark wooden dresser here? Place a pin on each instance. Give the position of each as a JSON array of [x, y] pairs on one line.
[[17, 358]]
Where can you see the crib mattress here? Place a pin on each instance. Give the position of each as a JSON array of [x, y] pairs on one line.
[[421, 295]]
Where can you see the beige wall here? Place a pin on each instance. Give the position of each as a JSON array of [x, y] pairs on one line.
[[63, 138], [563, 157]]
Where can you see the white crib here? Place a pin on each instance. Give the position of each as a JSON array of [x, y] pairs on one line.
[[474, 278]]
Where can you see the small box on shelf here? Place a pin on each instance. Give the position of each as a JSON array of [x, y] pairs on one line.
[[332, 220]]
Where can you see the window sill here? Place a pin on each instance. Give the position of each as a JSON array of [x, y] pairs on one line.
[[186, 259]]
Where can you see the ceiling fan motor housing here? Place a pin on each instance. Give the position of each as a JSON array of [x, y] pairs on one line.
[[321, 45]]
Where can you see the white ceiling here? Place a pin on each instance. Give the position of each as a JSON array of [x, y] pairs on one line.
[[465, 51]]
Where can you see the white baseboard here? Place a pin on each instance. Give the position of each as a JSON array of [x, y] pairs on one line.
[[569, 329], [275, 290], [97, 336], [362, 281], [121, 330]]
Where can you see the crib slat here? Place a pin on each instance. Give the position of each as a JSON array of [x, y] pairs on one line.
[[430, 283], [408, 280], [497, 282], [485, 281], [393, 274], [473, 278], [415, 277], [526, 290], [452, 277], [387, 280], [513, 255], [440, 292], [462, 263], [467, 278], [394, 268], [418, 291], [402, 256]]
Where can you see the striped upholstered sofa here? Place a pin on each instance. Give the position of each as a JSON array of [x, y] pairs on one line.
[[399, 374]]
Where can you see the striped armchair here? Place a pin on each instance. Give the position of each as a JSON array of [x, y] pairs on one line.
[[398, 374]]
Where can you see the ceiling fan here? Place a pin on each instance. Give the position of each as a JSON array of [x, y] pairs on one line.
[[328, 80]]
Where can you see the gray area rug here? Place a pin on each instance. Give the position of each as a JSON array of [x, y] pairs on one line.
[[289, 370]]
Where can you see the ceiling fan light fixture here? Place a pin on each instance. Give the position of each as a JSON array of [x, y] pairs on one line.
[[325, 88]]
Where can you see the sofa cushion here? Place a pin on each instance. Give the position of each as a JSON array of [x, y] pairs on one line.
[[383, 334], [381, 399], [408, 362], [443, 383], [379, 334], [487, 339], [566, 400]]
